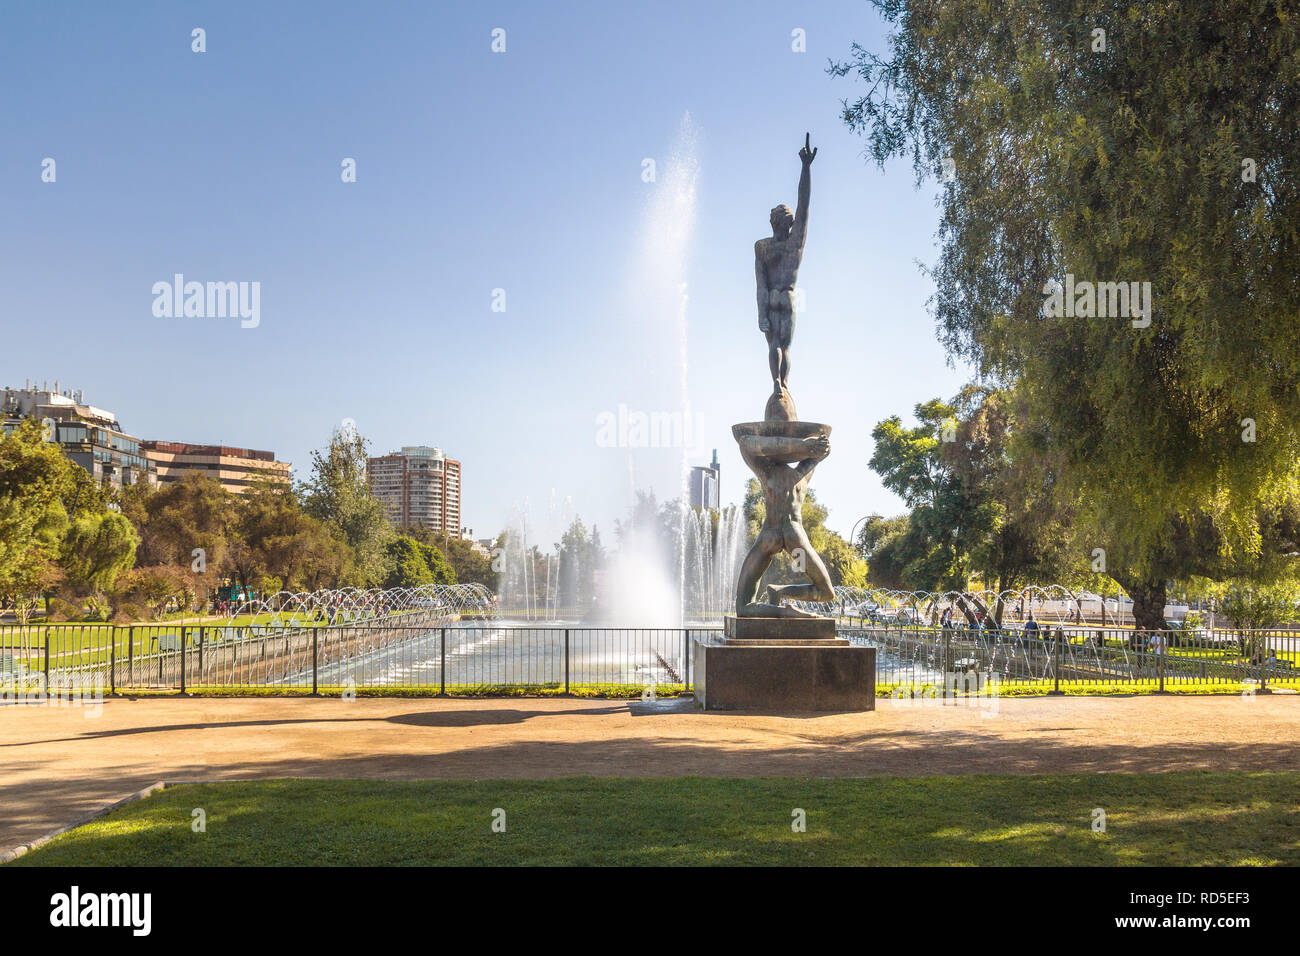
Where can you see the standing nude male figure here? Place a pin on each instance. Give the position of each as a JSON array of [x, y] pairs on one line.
[[784, 488], [776, 266]]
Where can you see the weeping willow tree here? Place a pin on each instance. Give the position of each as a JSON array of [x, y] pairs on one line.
[[1154, 145]]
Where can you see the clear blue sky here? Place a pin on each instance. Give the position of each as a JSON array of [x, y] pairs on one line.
[[476, 171]]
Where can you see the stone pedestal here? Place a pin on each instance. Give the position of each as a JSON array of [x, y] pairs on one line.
[[778, 629], [762, 667]]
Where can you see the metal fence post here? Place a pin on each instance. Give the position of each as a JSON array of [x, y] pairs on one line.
[[184, 632], [442, 665], [1056, 669], [315, 660], [130, 655], [1263, 666], [1160, 660], [47, 661], [202, 633], [686, 659], [112, 660], [566, 660]]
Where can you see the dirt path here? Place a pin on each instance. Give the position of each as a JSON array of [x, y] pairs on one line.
[[56, 764]]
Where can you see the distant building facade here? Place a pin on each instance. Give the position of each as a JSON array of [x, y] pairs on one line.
[[90, 436], [235, 469], [705, 488], [419, 485]]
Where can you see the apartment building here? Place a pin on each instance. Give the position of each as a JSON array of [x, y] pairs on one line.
[[419, 485]]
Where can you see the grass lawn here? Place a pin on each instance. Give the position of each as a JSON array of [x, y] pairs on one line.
[[1158, 819]]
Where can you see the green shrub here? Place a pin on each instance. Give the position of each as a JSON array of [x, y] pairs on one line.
[[62, 609], [127, 613]]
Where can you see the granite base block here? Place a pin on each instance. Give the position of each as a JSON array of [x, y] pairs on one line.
[[785, 677]]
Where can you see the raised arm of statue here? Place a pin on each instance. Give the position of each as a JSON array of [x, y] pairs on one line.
[[751, 451], [817, 450], [806, 156], [805, 467]]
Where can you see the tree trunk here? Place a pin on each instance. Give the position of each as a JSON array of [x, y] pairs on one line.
[[1148, 602], [966, 610], [981, 609]]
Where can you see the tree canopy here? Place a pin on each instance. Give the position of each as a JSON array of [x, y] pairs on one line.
[[1153, 145], [35, 479], [338, 493], [139, 551]]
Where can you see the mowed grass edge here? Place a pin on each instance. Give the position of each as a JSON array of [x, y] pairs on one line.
[[1190, 818]]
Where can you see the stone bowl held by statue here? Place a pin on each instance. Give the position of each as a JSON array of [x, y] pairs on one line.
[[782, 430]]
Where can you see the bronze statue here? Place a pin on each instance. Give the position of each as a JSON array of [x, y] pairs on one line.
[[776, 266], [782, 451], [784, 488]]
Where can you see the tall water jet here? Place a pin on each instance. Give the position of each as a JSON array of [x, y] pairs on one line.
[[667, 229], [514, 595], [676, 566]]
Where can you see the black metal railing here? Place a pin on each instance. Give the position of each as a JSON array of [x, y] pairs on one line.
[[382, 654], [372, 654], [1058, 659]]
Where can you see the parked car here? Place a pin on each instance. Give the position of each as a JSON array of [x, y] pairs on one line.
[[868, 610]]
